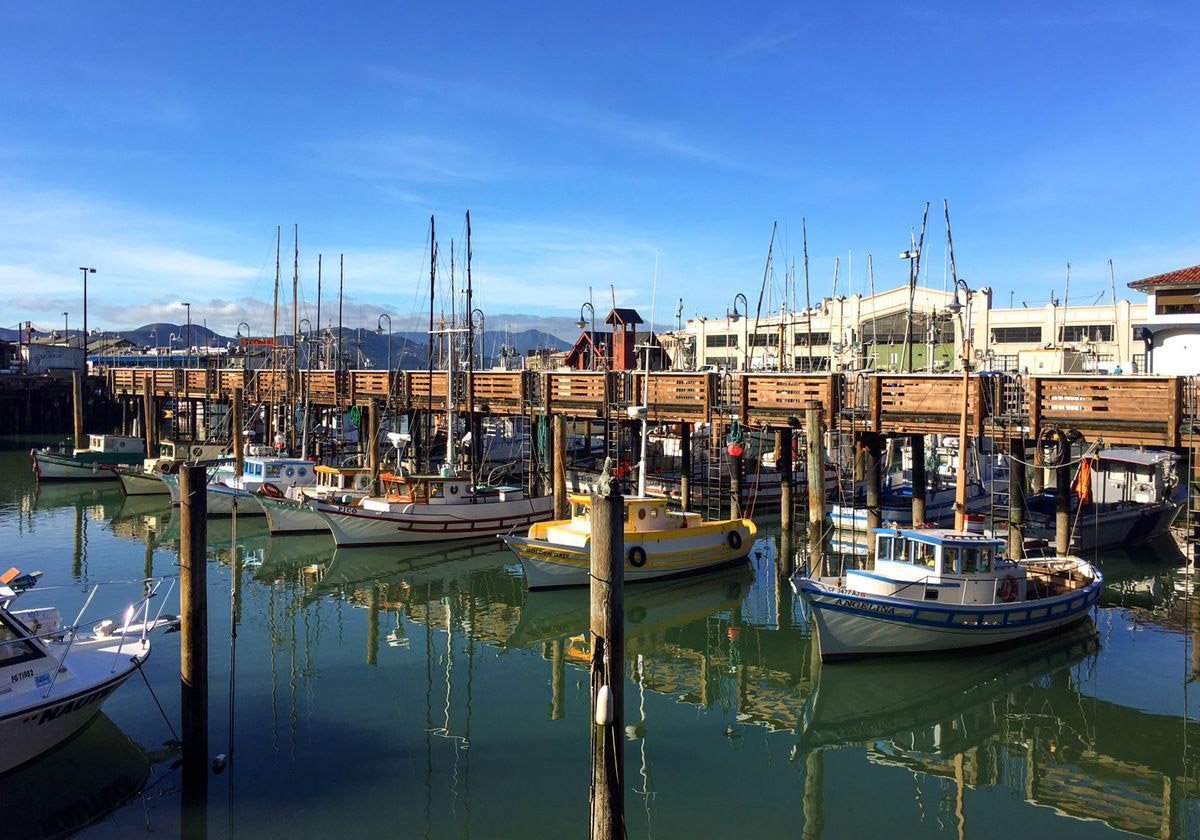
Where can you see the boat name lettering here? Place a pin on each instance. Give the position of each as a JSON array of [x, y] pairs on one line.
[[23, 675], [865, 605], [72, 706]]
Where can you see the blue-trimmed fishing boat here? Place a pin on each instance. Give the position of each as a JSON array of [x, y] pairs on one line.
[[938, 589]]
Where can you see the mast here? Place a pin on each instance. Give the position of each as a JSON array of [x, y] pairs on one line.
[[341, 287], [960, 478], [914, 271], [471, 424], [1062, 331], [432, 289], [270, 430], [294, 379], [318, 330], [807, 296]]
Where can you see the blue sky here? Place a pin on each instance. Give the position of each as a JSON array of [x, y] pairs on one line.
[[163, 144]]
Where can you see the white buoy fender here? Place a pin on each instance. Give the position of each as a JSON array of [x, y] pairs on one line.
[[604, 700]]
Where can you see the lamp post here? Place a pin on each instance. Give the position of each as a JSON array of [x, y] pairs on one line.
[[960, 483], [189, 324], [733, 318], [379, 331], [86, 269], [482, 335], [66, 329], [582, 324]]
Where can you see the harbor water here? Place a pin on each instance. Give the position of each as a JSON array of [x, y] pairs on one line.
[[422, 692]]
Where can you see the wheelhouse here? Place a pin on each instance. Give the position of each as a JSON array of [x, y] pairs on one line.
[[938, 551]]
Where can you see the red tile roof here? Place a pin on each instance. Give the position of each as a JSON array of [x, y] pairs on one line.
[[1183, 275]]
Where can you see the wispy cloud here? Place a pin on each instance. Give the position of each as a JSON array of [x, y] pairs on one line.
[[767, 41]]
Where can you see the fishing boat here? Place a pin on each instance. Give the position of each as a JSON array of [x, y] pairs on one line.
[[430, 508], [288, 511], [56, 677], [659, 543], [147, 480], [260, 468], [92, 464], [1120, 496], [939, 589]]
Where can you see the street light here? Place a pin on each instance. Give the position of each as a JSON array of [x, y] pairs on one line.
[[189, 325], [587, 304], [482, 334], [379, 331], [86, 271], [157, 358], [733, 317]]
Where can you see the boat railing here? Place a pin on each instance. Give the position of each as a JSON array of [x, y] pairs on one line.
[[140, 609]]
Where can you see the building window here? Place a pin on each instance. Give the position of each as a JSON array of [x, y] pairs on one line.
[[764, 340], [719, 361], [819, 339], [1087, 332], [817, 363], [1176, 302], [1017, 335], [720, 341], [1139, 363]]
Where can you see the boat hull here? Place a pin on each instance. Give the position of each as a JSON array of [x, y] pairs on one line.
[[352, 525], [32, 728], [48, 466], [286, 516], [222, 497], [136, 482], [663, 554], [852, 625], [1112, 528]]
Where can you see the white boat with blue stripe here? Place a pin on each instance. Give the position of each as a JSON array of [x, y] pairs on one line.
[[938, 589]]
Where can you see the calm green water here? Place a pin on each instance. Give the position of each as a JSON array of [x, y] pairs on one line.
[[425, 694]]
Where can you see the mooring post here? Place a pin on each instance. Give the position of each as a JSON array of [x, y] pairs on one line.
[[814, 453], [872, 449], [685, 466], [783, 463], [373, 624], [608, 667], [784, 569], [235, 431], [559, 474], [1062, 498], [373, 442], [77, 408], [735, 485], [149, 416], [193, 646], [1016, 498], [919, 483]]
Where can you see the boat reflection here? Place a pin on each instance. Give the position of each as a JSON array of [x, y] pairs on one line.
[[75, 785]]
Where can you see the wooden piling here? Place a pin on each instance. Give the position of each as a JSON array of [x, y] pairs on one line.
[[919, 483], [784, 569], [373, 624], [77, 408], [608, 667], [373, 442], [193, 645], [735, 486], [685, 466], [558, 679], [559, 474], [814, 453], [1062, 498], [783, 463], [149, 416], [873, 477], [1016, 499], [235, 431]]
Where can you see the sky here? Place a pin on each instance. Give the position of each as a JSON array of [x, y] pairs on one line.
[[636, 152]]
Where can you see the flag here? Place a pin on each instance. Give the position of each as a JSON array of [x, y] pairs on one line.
[[1083, 482]]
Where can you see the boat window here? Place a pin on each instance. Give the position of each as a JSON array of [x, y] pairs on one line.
[[641, 513], [654, 513], [883, 551], [951, 561], [924, 554], [437, 491], [976, 560], [272, 470], [13, 646]]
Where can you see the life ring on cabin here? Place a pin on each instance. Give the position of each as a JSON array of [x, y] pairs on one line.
[[734, 539], [637, 557], [1008, 589], [271, 491]]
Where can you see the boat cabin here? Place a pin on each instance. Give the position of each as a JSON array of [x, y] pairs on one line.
[[1129, 476], [641, 515], [452, 489], [342, 479], [939, 564], [282, 472], [120, 444]]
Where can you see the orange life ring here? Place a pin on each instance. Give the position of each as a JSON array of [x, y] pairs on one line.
[[271, 491], [1008, 589]]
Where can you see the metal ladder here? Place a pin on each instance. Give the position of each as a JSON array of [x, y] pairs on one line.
[[716, 464], [617, 388]]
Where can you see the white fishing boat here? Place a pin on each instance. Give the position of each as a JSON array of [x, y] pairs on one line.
[[1129, 496], [275, 475], [940, 590], [430, 508], [659, 543], [147, 480], [92, 464], [289, 512], [53, 679]]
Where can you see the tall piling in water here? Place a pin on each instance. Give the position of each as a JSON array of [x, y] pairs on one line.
[[608, 667], [783, 463], [814, 453], [193, 646], [685, 466], [77, 408], [559, 475], [1016, 499], [1062, 497], [916, 450], [235, 432]]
